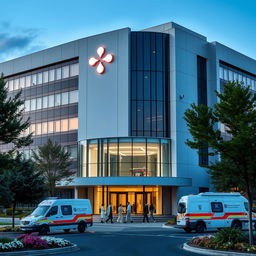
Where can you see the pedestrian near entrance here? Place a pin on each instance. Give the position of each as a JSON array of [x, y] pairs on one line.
[[120, 214], [109, 213], [145, 212], [151, 212], [128, 213], [102, 214]]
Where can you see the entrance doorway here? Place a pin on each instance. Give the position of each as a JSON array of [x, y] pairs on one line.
[[117, 198], [140, 199]]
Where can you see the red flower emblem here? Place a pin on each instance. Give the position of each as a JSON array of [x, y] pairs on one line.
[[100, 61]]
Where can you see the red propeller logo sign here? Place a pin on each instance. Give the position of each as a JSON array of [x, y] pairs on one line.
[[101, 60]]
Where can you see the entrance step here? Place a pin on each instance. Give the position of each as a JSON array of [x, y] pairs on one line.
[[138, 218]]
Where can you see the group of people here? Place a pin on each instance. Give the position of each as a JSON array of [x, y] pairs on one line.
[[128, 218]]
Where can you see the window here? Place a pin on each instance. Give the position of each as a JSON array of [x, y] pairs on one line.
[[45, 77], [39, 78], [32, 128], [57, 100], [53, 211], [45, 102], [38, 103], [16, 84], [38, 129], [221, 72], [181, 208], [74, 69], [217, 207], [50, 127], [73, 152], [44, 127], [33, 104], [58, 73], [10, 84], [34, 79], [73, 123], [51, 101], [66, 209], [57, 126], [73, 97], [28, 81], [22, 82], [64, 98], [27, 105], [64, 125], [51, 75], [65, 72]]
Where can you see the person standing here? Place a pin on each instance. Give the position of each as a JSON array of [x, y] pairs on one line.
[[109, 213], [145, 212], [128, 213], [151, 212], [120, 214], [102, 214]]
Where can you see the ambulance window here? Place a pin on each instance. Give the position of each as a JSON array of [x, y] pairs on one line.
[[246, 206], [53, 211], [66, 209], [217, 207], [181, 208]]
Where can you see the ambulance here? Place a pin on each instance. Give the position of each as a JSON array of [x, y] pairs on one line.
[[59, 214], [211, 211]]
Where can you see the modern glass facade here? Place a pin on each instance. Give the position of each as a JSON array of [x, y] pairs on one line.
[[50, 97], [149, 95], [112, 157]]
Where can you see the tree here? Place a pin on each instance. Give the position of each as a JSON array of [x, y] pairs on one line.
[[12, 123], [236, 164], [53, 161], [21, 183]]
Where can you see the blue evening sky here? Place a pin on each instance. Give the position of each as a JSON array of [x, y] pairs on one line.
[[31, 25]]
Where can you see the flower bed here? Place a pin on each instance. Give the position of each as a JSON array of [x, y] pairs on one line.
[[227, 239], [32, 242]]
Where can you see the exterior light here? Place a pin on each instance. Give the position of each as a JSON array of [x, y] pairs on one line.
[[100, 60]]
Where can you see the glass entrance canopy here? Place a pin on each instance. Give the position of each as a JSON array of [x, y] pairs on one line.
[[113, 157]]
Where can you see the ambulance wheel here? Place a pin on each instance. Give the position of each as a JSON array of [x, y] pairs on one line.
[[236, 224], [200, 227], [66, 230], [43, 230], [81, 227], [188, 230]]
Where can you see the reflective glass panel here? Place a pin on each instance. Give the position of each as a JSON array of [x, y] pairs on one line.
[[65, 72]]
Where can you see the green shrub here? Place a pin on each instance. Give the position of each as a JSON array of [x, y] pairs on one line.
[[229, 237], [9, 229], [5, 240]]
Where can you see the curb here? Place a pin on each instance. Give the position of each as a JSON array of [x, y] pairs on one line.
[[72, 248], [168, 226], [214, 252]]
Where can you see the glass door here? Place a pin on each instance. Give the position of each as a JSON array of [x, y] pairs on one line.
[[122, 199], [139, 203], [113, 200]]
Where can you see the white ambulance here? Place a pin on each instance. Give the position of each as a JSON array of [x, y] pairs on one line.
[[211, 211], [59, 214]]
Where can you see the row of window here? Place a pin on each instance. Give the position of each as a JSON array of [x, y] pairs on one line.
[[229, 74], [44, 77], [50, 101], [71, 149], [63, 125]]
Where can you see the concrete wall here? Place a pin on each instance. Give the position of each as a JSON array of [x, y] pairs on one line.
[[103, 99]]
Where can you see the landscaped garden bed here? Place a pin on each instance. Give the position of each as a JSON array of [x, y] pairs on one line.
[[32, 242], [229, 239]]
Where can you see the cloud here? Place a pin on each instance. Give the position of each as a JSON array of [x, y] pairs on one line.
[[15, 42]]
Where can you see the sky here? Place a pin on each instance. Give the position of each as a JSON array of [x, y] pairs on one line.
[[27, 26]]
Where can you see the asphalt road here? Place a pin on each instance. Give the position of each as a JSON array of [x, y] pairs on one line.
[[134, 239], [129, 240]]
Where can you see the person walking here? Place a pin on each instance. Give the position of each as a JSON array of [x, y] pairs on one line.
[[109, 213], [128, 213], [145, 212], [120, 213], [151, 212], [102, 214]]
